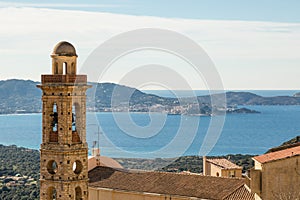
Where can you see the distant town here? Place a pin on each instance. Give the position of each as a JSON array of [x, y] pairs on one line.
[[22, 96]]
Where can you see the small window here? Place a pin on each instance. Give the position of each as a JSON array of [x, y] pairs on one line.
[[77, 167], [52, 167]]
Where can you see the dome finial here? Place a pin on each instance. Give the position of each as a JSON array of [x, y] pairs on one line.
[[64, 48]]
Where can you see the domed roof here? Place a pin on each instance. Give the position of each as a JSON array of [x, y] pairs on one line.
[[64, 49]]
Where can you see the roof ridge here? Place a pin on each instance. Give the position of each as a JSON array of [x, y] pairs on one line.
[[278, 155], [235, 166], [162, 172], [244, 186], [147, 171]]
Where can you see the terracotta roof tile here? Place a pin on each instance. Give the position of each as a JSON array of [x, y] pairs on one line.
[[277, 155], [223, 163], [243, 193], [104, 161], [206, 187]]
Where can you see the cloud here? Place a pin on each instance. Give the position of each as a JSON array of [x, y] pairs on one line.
[[28, 35], [55, 5]]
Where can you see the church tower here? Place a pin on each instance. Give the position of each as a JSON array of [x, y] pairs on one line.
[[64, 151]]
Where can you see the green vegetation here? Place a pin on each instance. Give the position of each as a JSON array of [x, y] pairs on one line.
[[19, 96], [19, 168], [291, 143], [184, 163], [144, 164], [19, 173]]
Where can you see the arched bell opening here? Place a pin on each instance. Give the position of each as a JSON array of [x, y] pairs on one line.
[[74, 117], [78, 193], [51, 193], [75, 123], [65, 68], [54, 124]]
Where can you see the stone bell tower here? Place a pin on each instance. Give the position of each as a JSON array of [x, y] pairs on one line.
[[64, 151]]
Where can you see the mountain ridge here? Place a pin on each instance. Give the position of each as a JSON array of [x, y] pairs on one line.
[[22, 96]]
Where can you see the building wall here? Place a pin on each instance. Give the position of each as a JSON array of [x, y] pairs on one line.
[[280, 178], [257, 165], [255, 181], [212, 170], [110, 194], [229, 172]]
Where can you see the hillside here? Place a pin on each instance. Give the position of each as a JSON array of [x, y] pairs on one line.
[[18, 96], [22, 96], [291, 143], [185, 163], [103, 93], [248, 98], [19, 169], [19, 173]]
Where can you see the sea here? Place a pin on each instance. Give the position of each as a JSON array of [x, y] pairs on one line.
[[156, 135]]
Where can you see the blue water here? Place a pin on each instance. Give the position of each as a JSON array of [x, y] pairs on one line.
[[242, 133]]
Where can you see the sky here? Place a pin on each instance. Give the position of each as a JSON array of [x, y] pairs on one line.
[[254, 44]]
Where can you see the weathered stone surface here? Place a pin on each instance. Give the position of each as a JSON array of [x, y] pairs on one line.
[[64, 151]]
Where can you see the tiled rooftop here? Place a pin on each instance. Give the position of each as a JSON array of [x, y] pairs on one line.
[[223, 163], [206, 187], [243, 193], [277, 155]]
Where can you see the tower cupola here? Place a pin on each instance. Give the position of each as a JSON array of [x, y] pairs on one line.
[[64, 59]]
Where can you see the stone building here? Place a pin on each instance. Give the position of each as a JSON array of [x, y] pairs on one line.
[[276, 175], [221, 167], [64, 170], [64, 151]]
